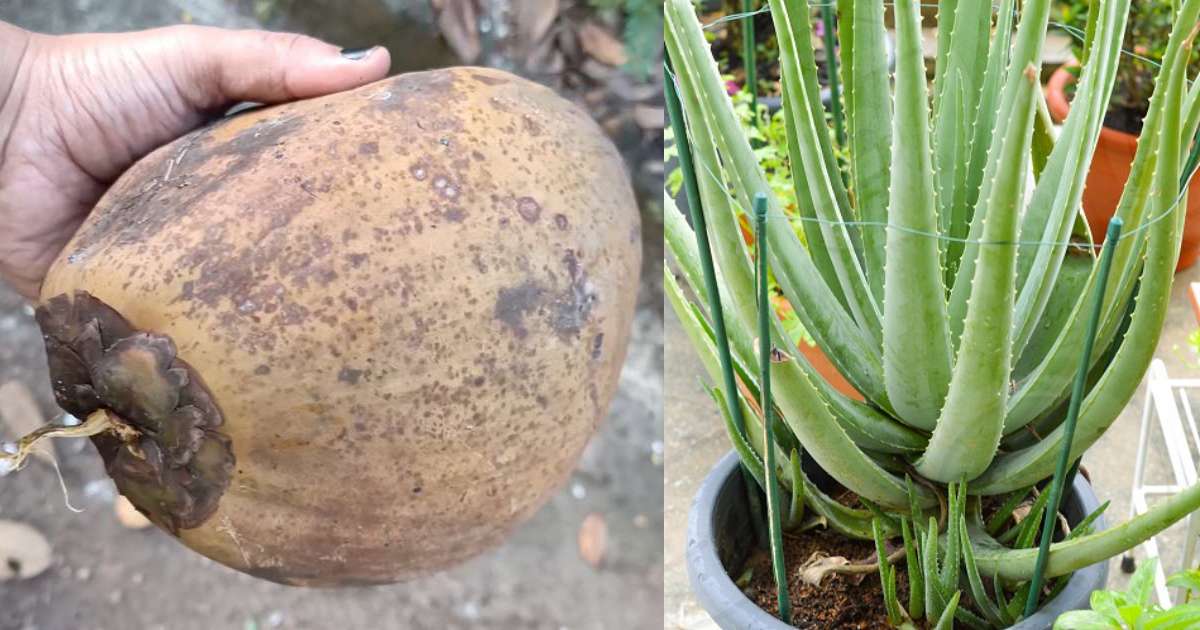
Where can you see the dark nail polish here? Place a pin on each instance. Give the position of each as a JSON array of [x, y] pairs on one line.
[[357, 53]]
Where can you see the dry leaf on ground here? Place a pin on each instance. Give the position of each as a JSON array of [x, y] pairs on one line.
[[458, 20], [534, 18], [602, 45], [817, 566]]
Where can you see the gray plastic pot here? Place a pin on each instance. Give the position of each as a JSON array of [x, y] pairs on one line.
[[718, 544]]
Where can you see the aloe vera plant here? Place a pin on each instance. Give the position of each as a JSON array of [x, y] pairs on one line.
[[947, 272]]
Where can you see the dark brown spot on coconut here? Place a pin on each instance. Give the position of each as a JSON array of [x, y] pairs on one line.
[[531, 126], [514, 303], [172, 186], [560, 220], [529, 209], [262, 370], [368, 148], [597, 345], [175, 464], [350, 375], [573, 305]]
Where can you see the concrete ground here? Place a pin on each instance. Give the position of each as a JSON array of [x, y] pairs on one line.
[[695, 440], [107, 577]]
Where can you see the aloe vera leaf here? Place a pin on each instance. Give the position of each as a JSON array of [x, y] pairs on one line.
[[946, 621], [679, 240], [796, 514], [1026, 52], [866, 426], [1044, 136], [1050, 215], [808, 139], [811, 223], [916, 343], [950, 564], [852, 351], [998, 55], [985, 604], [947, 10], [1083, 527], [887, 575], [845, 520], [808, 418], [916, 582], [1052, 418], [1071, 555], [969, 429], [955, 107], [1046, 385], [934, 603], [1073, 277], [1124, 373], [748, 456], [868, 118], [1027, 533], [1005, 511]]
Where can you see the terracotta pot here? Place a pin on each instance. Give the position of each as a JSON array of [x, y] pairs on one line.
[[826, 369], [1109, 171], [815, 356]]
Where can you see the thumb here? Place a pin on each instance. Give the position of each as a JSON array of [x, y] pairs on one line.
[[219, 66]]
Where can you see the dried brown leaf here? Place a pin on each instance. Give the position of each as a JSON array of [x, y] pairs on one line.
[[534, 19], [458, 21], [649, 118], [601, 44], [818, 565]]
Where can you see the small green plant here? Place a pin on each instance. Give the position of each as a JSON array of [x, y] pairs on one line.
[[768, 135], [1132, 608]]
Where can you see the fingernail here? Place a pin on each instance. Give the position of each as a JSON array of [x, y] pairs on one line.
[[356, 54]]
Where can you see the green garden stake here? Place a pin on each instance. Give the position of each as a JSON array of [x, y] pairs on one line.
[[774, 519], [1064, 458], [696, 210], [749, 58], [831, 69]]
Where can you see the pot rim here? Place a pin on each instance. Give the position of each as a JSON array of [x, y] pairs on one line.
[[732, 610]]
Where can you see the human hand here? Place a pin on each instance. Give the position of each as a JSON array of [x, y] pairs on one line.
[[77, 110]]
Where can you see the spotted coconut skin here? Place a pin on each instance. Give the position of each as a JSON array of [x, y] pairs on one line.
[[410, 303]]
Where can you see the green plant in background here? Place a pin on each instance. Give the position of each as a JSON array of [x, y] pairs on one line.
[[1146, 34], [1132, 609], [642, 33], [939, 279], [769, 139]]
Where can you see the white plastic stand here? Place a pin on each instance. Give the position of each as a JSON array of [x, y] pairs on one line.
[[1167, 404]]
